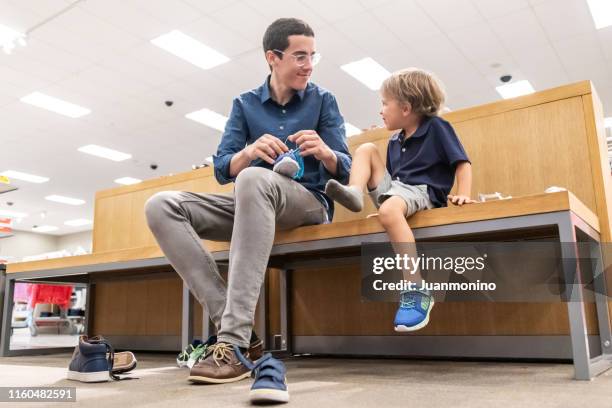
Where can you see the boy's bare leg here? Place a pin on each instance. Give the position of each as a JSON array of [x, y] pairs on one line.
[[367, 169], [391, 215]]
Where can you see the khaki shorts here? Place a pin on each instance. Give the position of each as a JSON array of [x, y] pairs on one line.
[[416, 197]]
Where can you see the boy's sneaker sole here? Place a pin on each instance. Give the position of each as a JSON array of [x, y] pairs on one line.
[[95, 376], [206, 380], [402, 329], [287, 167], [265, 395]]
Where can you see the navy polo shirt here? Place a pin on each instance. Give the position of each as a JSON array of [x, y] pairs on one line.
[[255, 113], [428, 157]]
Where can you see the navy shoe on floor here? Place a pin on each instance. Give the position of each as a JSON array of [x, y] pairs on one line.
[[89, 361], [93, 361], [270, 378]]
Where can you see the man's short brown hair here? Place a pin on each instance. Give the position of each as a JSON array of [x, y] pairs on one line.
[[416, 87]]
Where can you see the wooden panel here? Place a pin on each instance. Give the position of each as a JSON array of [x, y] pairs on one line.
[[336, 309], [138, 307]]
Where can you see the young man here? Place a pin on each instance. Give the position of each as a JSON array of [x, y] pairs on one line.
[[286, 109]]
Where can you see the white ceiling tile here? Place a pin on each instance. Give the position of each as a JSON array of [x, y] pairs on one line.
[[221, 37], [496, 8], [332, 11], [242, 19], [131, 19], [519, 30], [336, 46], [605, 41], [581, 49], [451, 14], [481, 46], [407, 20], [564, 18], [174, 12], [273, 9], [377, 39], [210, 6]]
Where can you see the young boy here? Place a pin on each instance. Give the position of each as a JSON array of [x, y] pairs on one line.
[[423, 159]]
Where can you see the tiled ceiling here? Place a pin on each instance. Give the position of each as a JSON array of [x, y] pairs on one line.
[[98, 55]]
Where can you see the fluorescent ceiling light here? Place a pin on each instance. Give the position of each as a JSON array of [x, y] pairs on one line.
[[9, 38], [44, 228], [64, 200], [189, 49], [351, 130], [52, 104], [209, 118], [601, 10], [104, 152], [367, 71], [12, 214], [515, 89], [17, 175], [126, 181], [78, 222], [608, 122]]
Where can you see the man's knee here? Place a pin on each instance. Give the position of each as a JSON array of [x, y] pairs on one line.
[[157, 205], [254, 180]]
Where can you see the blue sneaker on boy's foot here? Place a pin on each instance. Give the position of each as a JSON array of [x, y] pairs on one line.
[[270, 378], [413, 313]]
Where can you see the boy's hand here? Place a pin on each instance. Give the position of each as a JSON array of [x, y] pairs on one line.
[[311, 144], [460, 199], [267, 148]]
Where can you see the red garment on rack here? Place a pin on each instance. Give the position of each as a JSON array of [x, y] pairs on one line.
[[54, 294]]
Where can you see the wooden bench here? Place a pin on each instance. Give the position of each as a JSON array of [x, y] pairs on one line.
[[560, 215]]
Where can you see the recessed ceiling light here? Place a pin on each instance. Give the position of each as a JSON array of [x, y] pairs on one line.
[[9, 38], [190, 49], [367, 71], [209, 118], [12, 214], [104, 152], [126, 181], [17, 175], [351, 130], [601, 10], [44, 228], [608, 122], [64, 200], [56, 105], [514, 89], [78, 222]]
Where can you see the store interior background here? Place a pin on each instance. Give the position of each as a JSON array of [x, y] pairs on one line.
[[100, 54]]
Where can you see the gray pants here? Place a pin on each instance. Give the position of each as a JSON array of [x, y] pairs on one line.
[[263, 201]]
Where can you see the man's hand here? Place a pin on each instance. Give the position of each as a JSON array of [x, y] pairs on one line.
[[311, 144], [267, 148], [460, 199]]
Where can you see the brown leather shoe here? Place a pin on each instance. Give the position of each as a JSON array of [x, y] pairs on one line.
[[219, 366], [256, 350]]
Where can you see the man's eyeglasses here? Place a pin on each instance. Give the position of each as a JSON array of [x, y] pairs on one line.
[[301, 59]]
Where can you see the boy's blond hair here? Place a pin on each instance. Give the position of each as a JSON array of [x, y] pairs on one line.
[[416, 87]]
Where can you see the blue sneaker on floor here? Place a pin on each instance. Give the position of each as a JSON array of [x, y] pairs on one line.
[[270, 379], [413, 313]]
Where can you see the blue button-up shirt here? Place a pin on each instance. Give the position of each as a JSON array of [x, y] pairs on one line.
[[428, 157], [255, 113]]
